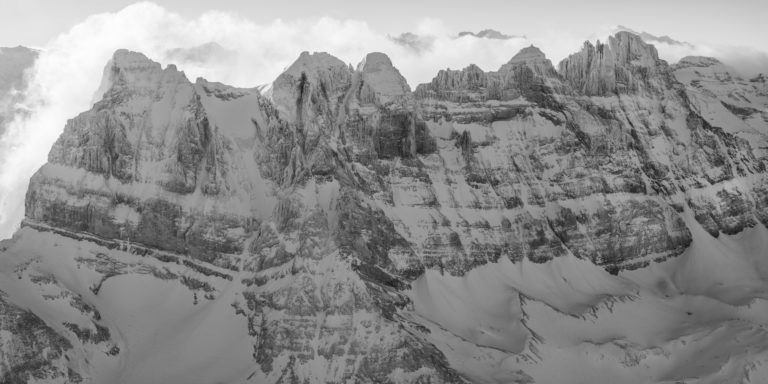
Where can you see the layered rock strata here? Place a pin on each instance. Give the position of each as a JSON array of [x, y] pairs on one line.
[[310, 227]]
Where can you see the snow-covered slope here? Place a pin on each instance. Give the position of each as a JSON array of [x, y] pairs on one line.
[[725, 99], [530, 225]]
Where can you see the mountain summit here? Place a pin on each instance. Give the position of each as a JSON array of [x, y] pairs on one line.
[[530, 53]]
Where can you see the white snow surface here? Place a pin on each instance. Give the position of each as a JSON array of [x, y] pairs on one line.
[[698, 318], [714, 88], [163, 336]]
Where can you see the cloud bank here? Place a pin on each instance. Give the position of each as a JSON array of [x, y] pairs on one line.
[[230, 49]]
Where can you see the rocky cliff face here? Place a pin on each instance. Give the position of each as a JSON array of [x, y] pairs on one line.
[[340, 228], [625, 65]]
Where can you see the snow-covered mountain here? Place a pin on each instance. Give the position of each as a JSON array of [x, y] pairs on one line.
[[488, 34], [421, 43], [652, 39], [602, 221]]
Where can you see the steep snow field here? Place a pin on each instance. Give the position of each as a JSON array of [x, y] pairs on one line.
[[164, 332], [701, 315]]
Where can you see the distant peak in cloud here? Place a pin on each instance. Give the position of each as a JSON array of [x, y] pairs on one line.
[[19, 49], [200, 53], [490, 34], [649, 38], [420, 43], [698, 61], [414, 42], [14, 62]]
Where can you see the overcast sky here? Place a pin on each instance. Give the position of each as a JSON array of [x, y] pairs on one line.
[[36, 22]]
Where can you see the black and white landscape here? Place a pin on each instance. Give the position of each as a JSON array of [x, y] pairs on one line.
[[599, 219]]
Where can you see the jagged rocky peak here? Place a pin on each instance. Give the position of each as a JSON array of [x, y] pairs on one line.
[[137, 72], [120, 139], [314, 63], [534, 58], [529, 74], [450, 84], [630, 48], [382, 82], [375, 61], [471, 77], [124, 58], [135, 68], [316, 78], [156, 139], [530, 53], [624, 65], [132, 74]]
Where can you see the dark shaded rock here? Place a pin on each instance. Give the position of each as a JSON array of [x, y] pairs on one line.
[[33, 349]]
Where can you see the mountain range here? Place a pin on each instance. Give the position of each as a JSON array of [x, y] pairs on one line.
[[599, 221]]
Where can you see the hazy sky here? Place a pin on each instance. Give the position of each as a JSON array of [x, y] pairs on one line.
[[35, 22]]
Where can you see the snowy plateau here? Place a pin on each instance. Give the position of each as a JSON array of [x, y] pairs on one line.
[[599, 221]]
